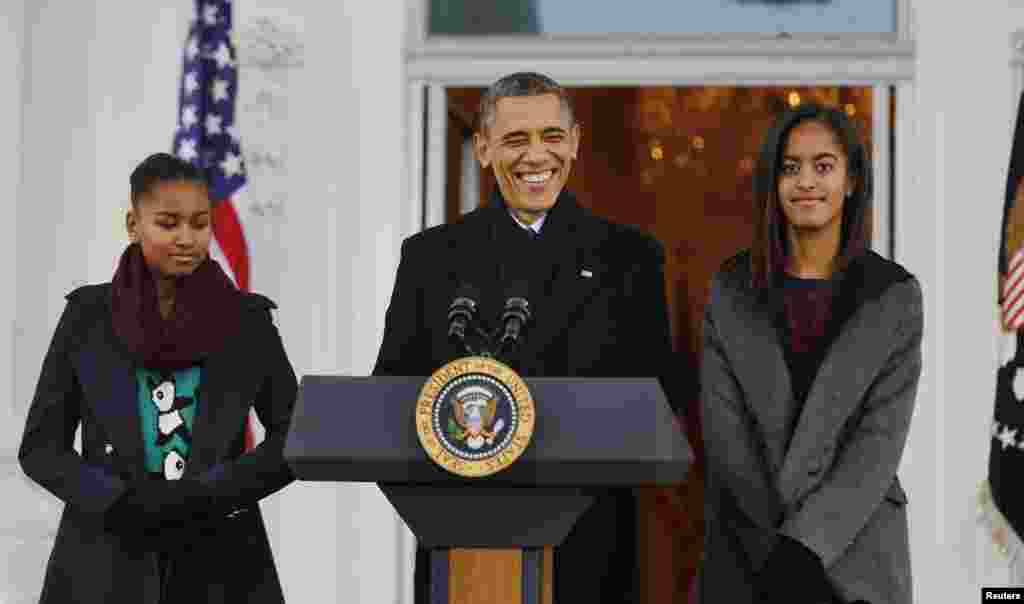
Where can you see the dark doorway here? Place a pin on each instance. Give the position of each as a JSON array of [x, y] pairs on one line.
[[677, 162]]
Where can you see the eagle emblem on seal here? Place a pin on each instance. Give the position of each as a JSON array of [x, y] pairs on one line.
[[475, 416], [474, 411]]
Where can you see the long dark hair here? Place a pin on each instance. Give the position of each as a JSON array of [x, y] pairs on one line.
[[771, 247]]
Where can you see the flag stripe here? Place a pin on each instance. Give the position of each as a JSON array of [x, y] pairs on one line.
[[1013, 281], [228, 231], [1014, 317], [1018, 259], [1012, 295], [218, 256]]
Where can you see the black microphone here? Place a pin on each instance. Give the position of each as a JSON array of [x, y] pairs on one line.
[[461, 313], [517, 313]]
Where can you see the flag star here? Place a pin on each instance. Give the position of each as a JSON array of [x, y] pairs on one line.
[[188, 116], [231, 165], [210, 14], [222, 56], [220, 90], [232, 131], [1008, 437], [213, 124], [191, 83], [193, 48], [187, 149]]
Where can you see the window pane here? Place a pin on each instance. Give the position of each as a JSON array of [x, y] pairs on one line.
[[665, 17]]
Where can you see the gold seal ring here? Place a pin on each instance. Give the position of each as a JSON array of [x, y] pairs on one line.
[[475, 416]]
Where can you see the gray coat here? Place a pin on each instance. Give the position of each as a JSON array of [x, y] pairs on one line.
[[829, 482]]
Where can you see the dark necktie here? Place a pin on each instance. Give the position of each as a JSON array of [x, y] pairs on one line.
[[532, 234]]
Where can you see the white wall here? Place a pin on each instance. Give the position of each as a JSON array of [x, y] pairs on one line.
[[948, 222], [16, 539], [342, 249]]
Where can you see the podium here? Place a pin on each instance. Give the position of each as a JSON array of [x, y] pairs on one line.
[[490, 538]]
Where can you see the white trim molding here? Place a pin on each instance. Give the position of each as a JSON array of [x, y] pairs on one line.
[[437, 155], [663, 61], [881, 165], [1017, 64]]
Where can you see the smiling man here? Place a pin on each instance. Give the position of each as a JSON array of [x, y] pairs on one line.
[[530, 141], [596, 290]]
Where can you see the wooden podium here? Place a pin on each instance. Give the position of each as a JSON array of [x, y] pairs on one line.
[[490, 538]]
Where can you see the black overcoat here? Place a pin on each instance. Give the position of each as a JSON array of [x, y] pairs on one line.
[[88, 379]]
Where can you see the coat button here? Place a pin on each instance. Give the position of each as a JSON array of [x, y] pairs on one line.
[[108, 448]]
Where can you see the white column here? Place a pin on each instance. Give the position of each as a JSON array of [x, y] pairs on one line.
[[23, 531], [437, 135], [94, 91], [344, 543], [952, 173]]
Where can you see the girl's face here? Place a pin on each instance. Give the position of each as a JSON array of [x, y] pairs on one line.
[[813, 181], [172, 225]]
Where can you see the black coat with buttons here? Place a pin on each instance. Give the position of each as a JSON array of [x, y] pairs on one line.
[[88, 380], [597, 290], [823, 473]]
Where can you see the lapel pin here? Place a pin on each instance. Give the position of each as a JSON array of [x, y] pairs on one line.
[[586, 274], [108, 449]]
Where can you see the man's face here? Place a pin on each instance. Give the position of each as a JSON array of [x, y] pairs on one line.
[[530, 146]]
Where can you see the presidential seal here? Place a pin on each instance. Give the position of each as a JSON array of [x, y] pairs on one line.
[[475, 416]]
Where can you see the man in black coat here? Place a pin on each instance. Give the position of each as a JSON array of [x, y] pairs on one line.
[[596, 290]]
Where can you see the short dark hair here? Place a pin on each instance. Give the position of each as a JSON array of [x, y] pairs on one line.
[[159, 168], [520, 84], [771, 246]]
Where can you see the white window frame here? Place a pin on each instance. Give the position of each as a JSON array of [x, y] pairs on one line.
[[1017, 63], [435, 63]]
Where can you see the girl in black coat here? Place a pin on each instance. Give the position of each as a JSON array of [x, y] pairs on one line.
[[159, 368]]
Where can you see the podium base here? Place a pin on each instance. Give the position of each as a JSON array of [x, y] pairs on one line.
[[499, 576]]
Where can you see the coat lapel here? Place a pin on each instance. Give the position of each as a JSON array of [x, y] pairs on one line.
[[471, 261], [762, 369], [850, 365], [224, 407], [576, 276], [107, 376], [566, 234]]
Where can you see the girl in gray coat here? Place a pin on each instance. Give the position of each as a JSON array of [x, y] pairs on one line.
[[812, 354]]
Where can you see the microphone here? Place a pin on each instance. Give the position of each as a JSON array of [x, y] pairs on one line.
[[517, 313], [461, 313]]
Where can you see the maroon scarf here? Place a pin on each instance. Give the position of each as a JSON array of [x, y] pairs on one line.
[[207, 310]]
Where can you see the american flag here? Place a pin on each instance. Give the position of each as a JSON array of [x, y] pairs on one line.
[[207, 135], [1006, 452]]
